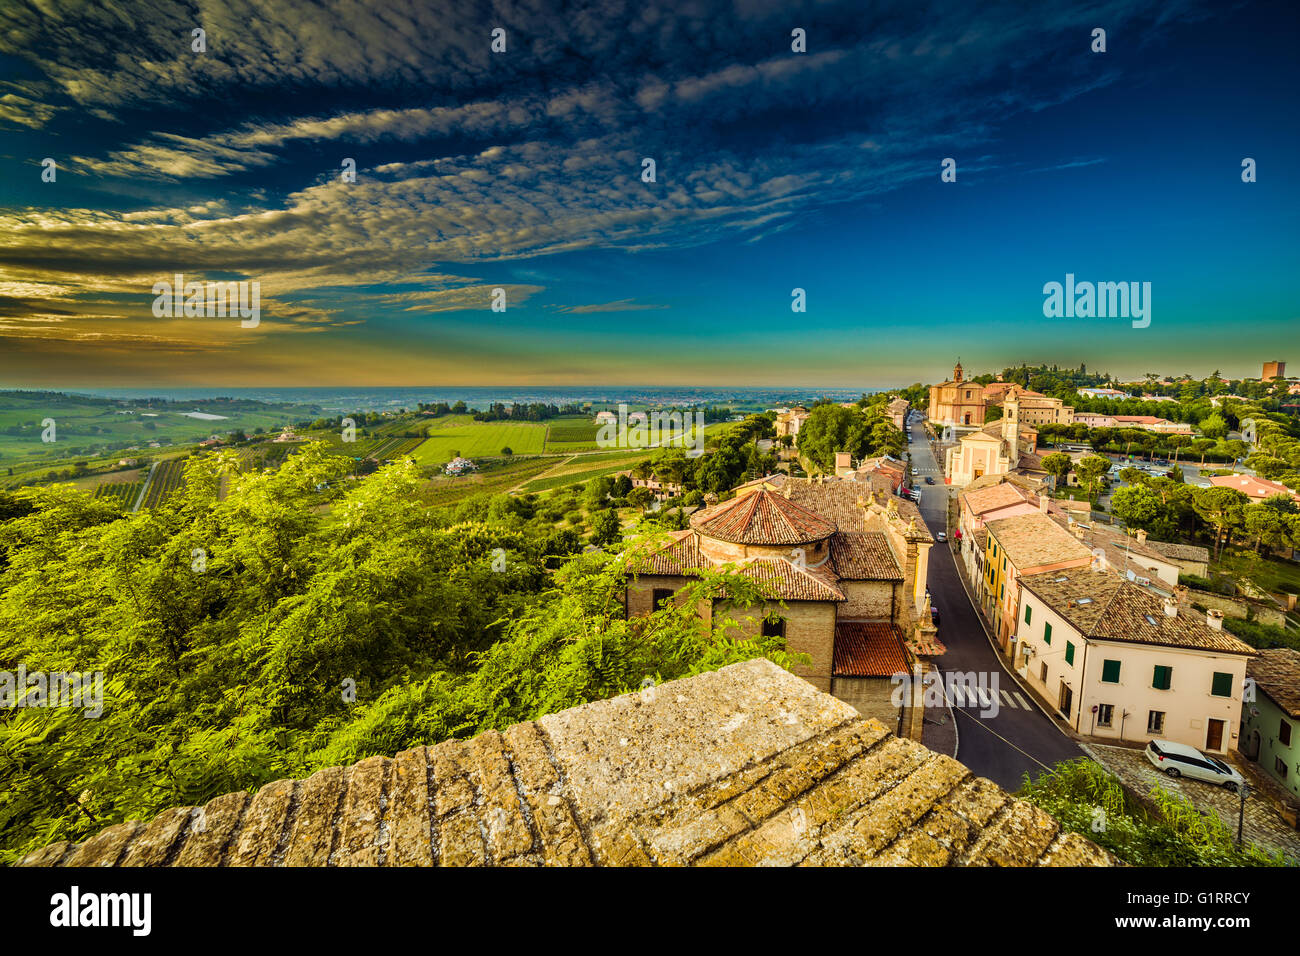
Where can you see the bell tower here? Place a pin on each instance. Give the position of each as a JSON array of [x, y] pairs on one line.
[[956, 372]]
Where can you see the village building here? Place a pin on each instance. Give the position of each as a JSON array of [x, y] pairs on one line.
[[957, 402], [662, 490], [1016, 547], [1190, 558], [897, 411], [1120, 662], [459, 466], [1256, 489], [998, 448], [1271, 721], [789, 420], [845, 571], [1113, 393]]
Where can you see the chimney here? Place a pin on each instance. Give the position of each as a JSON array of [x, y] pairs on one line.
[[843, 460], [1180, 593], [1042, 503], [1171, 607], [1142, 536], [1214, 618]]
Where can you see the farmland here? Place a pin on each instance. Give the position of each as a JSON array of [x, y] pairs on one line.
[[483, 439], [123, 493], [164, 481], [447, 491], [87, 427]]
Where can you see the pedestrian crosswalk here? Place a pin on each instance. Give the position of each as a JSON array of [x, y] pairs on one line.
[[983, 697]]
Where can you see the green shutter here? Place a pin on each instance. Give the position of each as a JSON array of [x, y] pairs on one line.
[[1160, 679], [1047, 633], [1110, 672], [1222, 685], [1069, 653], [1028, 613]]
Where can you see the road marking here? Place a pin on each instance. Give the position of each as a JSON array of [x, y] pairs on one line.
[[1024, 703]]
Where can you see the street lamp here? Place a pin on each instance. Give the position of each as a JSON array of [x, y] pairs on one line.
[[1243, 790]]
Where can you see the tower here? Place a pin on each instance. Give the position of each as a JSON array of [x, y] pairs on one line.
[[956, 372]]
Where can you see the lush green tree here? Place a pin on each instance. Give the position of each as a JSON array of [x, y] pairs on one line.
[[1090, 469], [640, 498], [1058, 465], [605, 527]]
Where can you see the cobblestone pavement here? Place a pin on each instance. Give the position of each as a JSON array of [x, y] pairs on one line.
[[1263, 826]]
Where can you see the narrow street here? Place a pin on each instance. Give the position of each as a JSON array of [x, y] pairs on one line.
[[1019, 739]]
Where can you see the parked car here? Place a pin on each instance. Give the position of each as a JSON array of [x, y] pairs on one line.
[[940, 536], [929, 480], [1180, 760]]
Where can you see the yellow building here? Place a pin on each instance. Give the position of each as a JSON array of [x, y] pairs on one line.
[[996, 449], [957, 402]]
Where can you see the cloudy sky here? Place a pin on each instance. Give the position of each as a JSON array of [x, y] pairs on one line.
[[522, 170]]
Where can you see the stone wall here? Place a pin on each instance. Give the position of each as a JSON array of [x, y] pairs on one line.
[[747, 765]]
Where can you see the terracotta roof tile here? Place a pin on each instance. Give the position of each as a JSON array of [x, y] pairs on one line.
[[869, 649], [1124, 612], [1277, 673], [864, 556], [1034, 540], [788, 582], [762, 517]]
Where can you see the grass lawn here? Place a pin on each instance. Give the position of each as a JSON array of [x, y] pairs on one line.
[[1269, 574], [480, 440]]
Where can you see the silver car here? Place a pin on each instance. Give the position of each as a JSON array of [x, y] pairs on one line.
[[1180, 760]]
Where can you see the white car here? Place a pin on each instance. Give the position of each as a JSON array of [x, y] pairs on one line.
[[1180, 760]]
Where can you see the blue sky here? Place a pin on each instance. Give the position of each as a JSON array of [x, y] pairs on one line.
[[521, 170]]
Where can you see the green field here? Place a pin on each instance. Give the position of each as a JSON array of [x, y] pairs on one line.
[[485, 439], [123, 492], [88, 428], [167, 478], [448, 491]]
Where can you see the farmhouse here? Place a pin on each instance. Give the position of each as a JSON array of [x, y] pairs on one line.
[[845, 572], [459, 466]]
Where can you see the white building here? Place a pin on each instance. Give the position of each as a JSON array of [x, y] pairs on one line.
[[1120, 662]]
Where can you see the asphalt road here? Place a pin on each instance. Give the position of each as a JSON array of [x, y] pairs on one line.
[[1018, 739]]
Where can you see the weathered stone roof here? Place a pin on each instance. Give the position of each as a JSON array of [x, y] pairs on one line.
[[746, 765]]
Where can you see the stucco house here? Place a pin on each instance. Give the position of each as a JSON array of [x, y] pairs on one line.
[[1271, 721], [1121, 662]]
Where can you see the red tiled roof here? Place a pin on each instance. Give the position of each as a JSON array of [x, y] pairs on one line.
[[679, 558], [869, 649], [761, 517], [789, 582], [864, 556]]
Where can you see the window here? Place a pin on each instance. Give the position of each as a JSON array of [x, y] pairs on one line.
[[1110, 672], [1221, 686], [1155, 721], [1105, 714], [774, 627], [1279, 766], [1028, 613], [1161, 678], [1047, 633], [1069, 653], [1284, 734], [1042, 672], [661, 595]]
